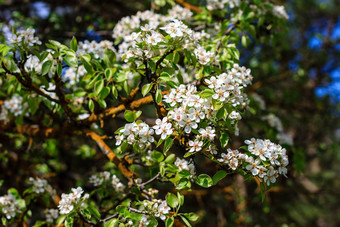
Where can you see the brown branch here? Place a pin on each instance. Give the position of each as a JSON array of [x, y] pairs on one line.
[[113, 111], [122, 164], [28, 84], [189, 6]]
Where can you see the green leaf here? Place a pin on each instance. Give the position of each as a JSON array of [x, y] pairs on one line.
[[244, 41], [204, 180], [170, 159], [91, 105], [157, 156], [114, 91], [39, 223], [33, 104], [74, 45], [98, 87], [43, 56], [158, 96], [224, 139], [94, 211], [191, 216], [220, 113], [129, 116], [169, 222], [146, 88], [180, 199], [79, 93], [183, 183], [104, 93], [172, 200], [111, 223], [109, 57], [87, 65], [46, 67], [167, 145], [219, 176], [5, 49], [109, 73], [59, 69], [176, 57], [185, 220], [71, 60], [206, 93], [69, 222], [102, 103], [4, 221], [61, 219], [152, 66], [160, 2]]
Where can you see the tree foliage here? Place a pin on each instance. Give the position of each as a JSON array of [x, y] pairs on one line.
[[158, 123]]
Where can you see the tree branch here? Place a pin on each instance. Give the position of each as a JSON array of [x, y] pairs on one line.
[[122, 164], [189, 6]]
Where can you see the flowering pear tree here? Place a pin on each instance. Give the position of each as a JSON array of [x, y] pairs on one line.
[[171, 81]]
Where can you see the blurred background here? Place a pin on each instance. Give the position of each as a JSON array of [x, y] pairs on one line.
[[297, 78]]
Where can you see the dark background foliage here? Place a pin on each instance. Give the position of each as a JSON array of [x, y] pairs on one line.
[[298, 76]]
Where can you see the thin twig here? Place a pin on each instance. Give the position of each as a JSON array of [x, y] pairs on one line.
[[137, 211], [151, 180]]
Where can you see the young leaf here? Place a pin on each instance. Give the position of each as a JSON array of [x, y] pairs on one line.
[[46, 67], [74, 45], [71, 60], [204, 181], [191, 216], [129, 116], [172, 200], [224, 139], [167, 145], [158, 96], [104, 93], [219, 176], [170, 159], [169, 222], [98, 87], [206, 93], [146, 88], [91, 105], [59, 69], [114, 91]]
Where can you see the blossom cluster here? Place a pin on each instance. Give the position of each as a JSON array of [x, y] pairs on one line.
[[151, 28], [265, 159], [228, 86], [12, 106], [276, 10], [9, 206], [51, 215], [105, 177], [127, 25], [25, 38], [221, 4], [187, 109], [139, 133], [33, 64], [72, 201], [183, 164], [98, 49], [72, 75], [40, 186], [204, 57], [157, 207]]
